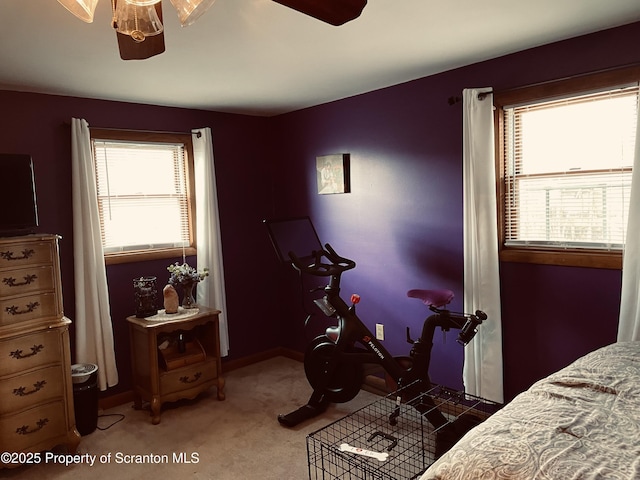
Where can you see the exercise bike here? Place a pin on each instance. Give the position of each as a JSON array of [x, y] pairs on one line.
[[334, 362]]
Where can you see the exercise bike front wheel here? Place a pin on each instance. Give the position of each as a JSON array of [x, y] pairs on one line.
[[346, 379]]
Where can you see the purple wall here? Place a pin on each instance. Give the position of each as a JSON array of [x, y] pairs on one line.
[[402, 222], [40, 125]]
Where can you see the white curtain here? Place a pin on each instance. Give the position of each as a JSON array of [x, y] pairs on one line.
[[210, 292], [93, 329], [629, 322], [482, 372]]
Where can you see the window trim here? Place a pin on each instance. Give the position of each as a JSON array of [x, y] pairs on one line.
[[542, 91], [115, 258]]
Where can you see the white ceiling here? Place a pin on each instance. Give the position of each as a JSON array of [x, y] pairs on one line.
[[259, 57]]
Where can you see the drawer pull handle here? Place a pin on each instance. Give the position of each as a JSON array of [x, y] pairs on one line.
[[22, 391], [25, 254], [196, 377], [13, 310], [12, 282], [34, 351], [24, 430]]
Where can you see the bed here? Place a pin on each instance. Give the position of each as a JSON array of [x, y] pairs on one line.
[[582, 422]]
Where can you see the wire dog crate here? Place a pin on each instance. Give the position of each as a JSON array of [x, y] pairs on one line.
[[366, 445]]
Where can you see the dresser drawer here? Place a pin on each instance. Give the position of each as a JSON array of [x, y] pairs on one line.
[[22, 281], [24, 252], [25, 352], [29, 307], [30, 427], [183, 378], [29, 389]]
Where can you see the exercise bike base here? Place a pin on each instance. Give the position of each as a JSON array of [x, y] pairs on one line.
[[302, 414]]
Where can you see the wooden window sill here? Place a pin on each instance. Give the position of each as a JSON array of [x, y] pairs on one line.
[[572, 258]]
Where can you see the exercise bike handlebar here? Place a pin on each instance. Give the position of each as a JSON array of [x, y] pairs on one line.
[[470, 328], [319, 268], [339, 264]]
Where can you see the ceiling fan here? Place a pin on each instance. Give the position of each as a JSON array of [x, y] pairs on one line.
[[139, 23]]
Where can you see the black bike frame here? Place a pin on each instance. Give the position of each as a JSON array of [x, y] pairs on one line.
[[351, 329]]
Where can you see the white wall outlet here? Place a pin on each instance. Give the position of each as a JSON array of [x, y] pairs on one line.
[[379, 331]]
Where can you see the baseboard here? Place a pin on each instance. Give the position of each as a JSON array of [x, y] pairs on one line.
[[118, 399], [230, 365], [374, 381], [111, 401], [292, 354]]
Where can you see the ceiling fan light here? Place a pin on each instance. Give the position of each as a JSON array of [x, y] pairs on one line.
[[137, 22], [190, 10], [142, 3], [83, 9]]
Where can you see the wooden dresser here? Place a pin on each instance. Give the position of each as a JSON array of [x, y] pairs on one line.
[[36, 410]]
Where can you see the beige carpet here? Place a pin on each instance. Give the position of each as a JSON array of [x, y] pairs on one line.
[[238, 438]]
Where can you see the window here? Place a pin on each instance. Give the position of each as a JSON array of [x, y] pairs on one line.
[[566, 152], [145, 194]]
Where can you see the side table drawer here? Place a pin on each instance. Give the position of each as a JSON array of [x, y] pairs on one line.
[[187, 377], [29, 389], [38, 424], [30, 351]]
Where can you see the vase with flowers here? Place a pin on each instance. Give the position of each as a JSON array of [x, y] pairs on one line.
[[187, 278]]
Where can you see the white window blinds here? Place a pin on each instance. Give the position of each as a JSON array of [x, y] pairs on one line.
[[567, 170], [142, 195]]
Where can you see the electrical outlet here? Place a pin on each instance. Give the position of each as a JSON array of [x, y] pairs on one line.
[[379, 331]]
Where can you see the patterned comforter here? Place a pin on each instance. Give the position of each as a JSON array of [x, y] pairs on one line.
[[582, 422]]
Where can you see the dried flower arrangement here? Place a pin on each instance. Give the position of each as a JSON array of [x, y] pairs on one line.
[[185, 273]]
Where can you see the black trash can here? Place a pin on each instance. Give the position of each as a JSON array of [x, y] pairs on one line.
[[85, 396]]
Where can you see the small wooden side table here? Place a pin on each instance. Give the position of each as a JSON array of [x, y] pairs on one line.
[[175, 357]]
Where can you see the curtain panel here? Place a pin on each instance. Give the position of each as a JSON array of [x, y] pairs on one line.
[[93, 328], [211, 292], [629, 321], [482, 371]]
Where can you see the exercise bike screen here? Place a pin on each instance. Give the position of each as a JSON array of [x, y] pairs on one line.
[[295, 235]]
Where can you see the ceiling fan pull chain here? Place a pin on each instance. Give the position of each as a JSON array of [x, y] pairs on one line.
[[136, 34], [114, 21]]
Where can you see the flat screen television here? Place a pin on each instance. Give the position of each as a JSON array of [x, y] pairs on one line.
[[296, 235], [18, 208]]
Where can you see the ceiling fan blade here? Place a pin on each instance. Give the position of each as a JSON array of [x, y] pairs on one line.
[[334, 12], [151, 45]]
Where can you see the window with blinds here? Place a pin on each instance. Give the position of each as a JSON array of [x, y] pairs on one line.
[[143, 195], [567, 170]]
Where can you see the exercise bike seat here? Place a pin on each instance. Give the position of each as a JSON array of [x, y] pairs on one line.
[[435, 298]]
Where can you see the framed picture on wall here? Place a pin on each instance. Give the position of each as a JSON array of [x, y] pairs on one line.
[[332, 172]]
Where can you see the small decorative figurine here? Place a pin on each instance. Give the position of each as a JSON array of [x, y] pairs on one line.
[[171, 300]]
